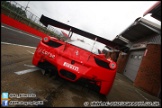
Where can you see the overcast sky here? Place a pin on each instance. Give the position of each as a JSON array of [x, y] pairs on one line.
[[106, 19]]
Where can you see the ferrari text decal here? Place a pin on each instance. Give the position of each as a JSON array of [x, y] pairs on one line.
[[71, 66]]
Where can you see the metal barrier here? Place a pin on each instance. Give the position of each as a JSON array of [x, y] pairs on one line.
[[20, 13]]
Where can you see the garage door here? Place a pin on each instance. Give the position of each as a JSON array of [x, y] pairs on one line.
[[133, 64]]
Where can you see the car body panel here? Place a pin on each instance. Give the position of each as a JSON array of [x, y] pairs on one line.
[[84, 65]]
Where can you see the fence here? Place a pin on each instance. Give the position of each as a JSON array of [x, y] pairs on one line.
[[20, 13]]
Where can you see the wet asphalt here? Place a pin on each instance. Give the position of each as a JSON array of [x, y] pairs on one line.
[[54, 91]]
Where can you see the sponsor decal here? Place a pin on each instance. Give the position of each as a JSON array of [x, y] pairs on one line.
[[47, 53], [71, 66]]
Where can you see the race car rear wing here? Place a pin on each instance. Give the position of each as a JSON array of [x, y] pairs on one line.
[[48, 21]]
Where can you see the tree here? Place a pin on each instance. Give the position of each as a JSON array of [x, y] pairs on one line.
[[13, 8]]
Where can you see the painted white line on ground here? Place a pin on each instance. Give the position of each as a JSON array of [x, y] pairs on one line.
[[26, 71], [141, 95], [17, 45], [29, 65], [30, 52], [20, 32]]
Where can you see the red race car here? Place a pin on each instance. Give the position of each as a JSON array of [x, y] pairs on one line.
[[75, 60]]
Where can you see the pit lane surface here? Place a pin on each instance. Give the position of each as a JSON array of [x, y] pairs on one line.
[[53, 91], [13, 35]]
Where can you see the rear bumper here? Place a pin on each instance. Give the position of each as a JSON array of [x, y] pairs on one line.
[[103, 87]]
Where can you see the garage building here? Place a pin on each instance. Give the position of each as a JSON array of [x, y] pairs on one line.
[[142, 64]]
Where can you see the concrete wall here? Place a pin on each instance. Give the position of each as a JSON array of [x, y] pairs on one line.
[[149, 73]]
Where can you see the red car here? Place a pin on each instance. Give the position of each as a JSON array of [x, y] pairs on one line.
[[75, 60]]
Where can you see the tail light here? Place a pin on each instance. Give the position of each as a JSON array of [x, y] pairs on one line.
[[112, 65], [46, 39]]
